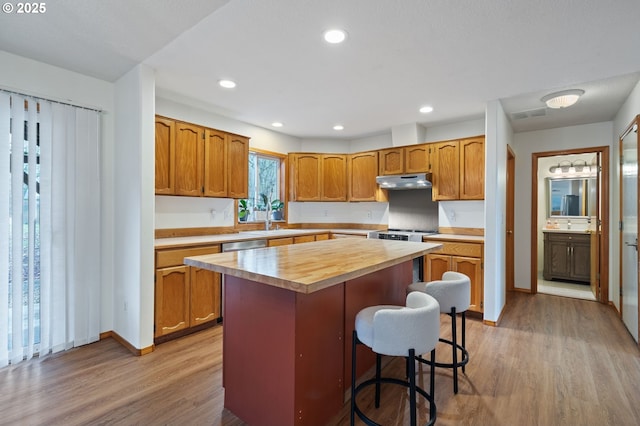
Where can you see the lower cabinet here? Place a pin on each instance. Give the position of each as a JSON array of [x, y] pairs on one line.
[[567, 256], [185, 296], [463, 257]]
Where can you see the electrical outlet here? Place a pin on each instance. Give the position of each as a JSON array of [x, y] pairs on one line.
[[326, 213], [368, 214], [125, 306], [213, 213]]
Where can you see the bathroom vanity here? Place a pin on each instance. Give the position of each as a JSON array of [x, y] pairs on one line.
[[567, 255]]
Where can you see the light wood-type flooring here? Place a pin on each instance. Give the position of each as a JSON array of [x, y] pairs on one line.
[[552, 361]]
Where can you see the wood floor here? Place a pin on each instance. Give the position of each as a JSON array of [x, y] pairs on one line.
[[552, 361]]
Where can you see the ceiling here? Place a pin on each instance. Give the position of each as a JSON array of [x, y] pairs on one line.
[[399, 55]]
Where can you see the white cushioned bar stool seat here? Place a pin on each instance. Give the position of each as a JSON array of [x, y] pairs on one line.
[[453, 293], [397, 331]]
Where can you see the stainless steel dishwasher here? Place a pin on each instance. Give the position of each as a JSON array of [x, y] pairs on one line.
[[238, 246]]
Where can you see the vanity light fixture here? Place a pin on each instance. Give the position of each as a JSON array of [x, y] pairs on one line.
[[562, 99], [571, 168], [227, 84]]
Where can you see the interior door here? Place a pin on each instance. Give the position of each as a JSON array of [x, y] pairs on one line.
[[629, 231]]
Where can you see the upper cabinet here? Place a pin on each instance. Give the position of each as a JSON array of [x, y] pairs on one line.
[[408, 159], [363, 169], [189, 159], [458, 169], [165, 156], [196, 161], [318, 177]]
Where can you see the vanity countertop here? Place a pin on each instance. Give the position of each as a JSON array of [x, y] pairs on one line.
[[568, 231]]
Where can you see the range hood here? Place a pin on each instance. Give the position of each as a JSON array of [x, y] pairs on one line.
[[412, 181]]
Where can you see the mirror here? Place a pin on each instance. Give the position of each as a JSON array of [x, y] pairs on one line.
[[569, 196]]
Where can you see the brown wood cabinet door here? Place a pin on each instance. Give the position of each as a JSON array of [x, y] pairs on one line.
[[189, 163], [204, 296], [581, 260], [215, 163], [238, 166], [416, 159], [446, 171], [363, 169], [471, 267], [334, 177], [172, 300], [165, 156], [307, 177], [472, 169], [391, 161], [435, 266]]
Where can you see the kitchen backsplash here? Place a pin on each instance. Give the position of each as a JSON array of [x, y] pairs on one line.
[[196, 212]]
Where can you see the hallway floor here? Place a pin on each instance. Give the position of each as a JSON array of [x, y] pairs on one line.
[[565, 289]]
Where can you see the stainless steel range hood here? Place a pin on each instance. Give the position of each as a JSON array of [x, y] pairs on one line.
[[413, 181]]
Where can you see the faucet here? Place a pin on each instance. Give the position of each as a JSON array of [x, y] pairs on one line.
[[267, 222]]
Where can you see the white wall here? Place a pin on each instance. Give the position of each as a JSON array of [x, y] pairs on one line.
[[527, 143], [260, 138], [623, 118], [499, 134], [329, 146], [457, 130], [329, 212], [373, 142], [135, 187], [46, 81]]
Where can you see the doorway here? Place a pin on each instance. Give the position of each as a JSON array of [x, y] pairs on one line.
[[570, 223]]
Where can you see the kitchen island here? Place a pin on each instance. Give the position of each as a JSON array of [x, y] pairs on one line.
[[288, 316]]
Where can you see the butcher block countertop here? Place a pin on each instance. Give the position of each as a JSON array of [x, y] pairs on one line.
[[309, 267]]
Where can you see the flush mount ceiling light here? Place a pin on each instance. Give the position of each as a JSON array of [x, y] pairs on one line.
[[277, 124], [562, 99], [426, 109], [335, 36], [338, 127], [227, 84]]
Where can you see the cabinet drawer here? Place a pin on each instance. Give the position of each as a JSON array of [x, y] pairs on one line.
[[304, 239], [175, 257], [458, 249], [568, 237], [280, 242]]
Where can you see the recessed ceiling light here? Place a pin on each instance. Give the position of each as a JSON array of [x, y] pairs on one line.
[[335, 36], [426, 109], [227, 84], [276, 124], [338, 127]]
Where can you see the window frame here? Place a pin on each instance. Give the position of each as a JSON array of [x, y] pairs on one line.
[[282, 193]]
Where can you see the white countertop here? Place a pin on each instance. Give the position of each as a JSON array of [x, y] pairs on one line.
[[568, 231], [247, 235]]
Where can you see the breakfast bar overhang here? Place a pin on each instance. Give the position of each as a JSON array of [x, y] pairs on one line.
[[288, 316]]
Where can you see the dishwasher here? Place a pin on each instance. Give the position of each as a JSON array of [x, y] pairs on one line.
[[237, 246]]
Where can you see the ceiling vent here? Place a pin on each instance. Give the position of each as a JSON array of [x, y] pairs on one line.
[[539, 112]]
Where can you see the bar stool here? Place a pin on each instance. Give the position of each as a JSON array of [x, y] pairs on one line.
[[453, 293], [397, 331]]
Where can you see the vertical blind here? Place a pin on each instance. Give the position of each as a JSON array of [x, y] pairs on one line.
[[50, 227]]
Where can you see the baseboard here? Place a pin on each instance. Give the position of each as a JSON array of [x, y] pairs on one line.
[[521, 290], [137, 352], [495, 323]]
